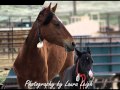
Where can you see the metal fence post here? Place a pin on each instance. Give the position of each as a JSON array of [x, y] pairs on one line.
[[12, 45], [110, 51], [9, 20]]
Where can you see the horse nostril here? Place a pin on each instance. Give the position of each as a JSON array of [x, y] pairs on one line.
[[73, 44]]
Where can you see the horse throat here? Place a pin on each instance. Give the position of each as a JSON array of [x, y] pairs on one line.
[[40, 43], [78, 72]]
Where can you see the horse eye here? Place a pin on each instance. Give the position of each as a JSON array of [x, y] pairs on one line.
[[92, 61], [57, 24], [87, 58]]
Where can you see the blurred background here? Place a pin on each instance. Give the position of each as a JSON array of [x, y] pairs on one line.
[[91, 23]]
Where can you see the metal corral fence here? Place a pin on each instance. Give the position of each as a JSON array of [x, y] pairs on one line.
[[105, 51]]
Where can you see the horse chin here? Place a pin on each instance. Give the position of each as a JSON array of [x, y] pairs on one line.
[[68, 49]]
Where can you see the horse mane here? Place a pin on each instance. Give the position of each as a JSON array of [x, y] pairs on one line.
[[32, 38]]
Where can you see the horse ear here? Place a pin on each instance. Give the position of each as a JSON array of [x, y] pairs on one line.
[[49, 6], [88, 50], [54, 8], [78, 52]]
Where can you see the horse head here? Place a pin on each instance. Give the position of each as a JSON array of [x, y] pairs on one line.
[[53, 30], [84, 63]]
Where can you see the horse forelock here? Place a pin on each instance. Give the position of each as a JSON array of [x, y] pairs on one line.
[[48, 18], [84, 53], [48, 14]]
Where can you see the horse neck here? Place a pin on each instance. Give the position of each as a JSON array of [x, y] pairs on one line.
[[77, 66], [32, 39]]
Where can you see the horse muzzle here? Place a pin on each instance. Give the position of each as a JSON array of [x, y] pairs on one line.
[[90, 74], [69, 46]]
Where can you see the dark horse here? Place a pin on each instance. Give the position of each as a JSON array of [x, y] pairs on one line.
[[42, 64], [81, 72]]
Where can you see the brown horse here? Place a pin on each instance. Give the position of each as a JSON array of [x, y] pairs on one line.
[[42, 64]]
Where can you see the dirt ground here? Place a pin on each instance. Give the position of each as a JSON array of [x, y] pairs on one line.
[[5, 63]]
